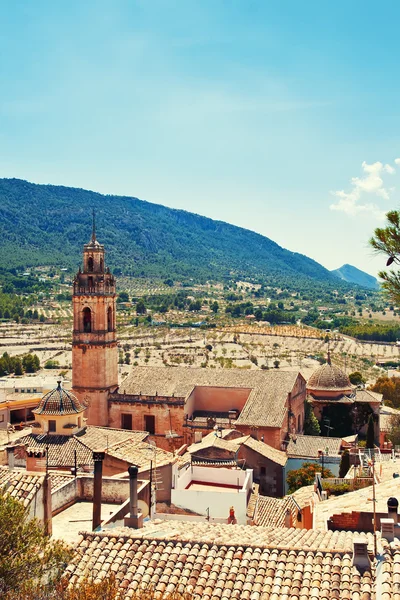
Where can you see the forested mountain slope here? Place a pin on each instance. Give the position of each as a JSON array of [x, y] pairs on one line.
[[353, 275], [47, 224]]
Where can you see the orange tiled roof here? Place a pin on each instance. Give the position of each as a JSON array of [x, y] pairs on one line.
[[20, 484], [236, 562]]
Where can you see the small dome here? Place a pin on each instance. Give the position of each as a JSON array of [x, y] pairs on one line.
[[329, 377], [59, 402]]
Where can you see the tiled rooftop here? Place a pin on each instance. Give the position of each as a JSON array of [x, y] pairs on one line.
[[141, 454], [20, 484], [238, 562], [99, 439], [308, 445], [271, 512], [265, 450], [265, 406]]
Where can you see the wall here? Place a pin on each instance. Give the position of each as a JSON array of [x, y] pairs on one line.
[[273, 482], [216, 399], [166, 413], [36, 507], [272, 436], [218, 503]]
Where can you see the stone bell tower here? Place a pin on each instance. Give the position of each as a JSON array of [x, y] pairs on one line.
[[94, 342]]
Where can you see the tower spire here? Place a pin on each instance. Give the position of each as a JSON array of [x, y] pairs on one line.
[[94, 226]]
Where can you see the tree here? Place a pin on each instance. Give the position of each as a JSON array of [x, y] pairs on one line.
[[305, 475], [344, 463], [311, 425], [387, 241], [18, 370], [356, 378], [123, 297], [390, 388], [31, 363], [140, 308], [27, 555], [371, 432], [215, 307], [394, 432]]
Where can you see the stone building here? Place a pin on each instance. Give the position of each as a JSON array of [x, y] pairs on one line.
[[339, 406], [171, 404], [94, 344]]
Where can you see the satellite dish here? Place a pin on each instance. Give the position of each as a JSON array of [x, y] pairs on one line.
[[144, 509]]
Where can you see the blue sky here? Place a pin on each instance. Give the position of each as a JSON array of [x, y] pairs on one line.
[[279, 116]]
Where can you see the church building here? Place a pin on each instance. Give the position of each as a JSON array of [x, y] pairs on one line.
[[175, 405]]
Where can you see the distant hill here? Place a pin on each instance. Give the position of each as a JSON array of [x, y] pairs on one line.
[[353, 275], [48, 225]]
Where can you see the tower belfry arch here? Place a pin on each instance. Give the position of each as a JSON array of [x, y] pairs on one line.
[[94, 341]]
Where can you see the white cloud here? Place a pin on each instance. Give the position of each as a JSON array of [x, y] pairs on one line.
[[397, 161], [353, 202]]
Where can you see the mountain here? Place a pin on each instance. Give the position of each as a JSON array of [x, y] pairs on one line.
[[48, 225], [353, 275]]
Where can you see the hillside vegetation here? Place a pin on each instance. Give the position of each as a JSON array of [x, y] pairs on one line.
[[47, 225]]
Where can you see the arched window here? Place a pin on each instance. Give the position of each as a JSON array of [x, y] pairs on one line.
[[101, 265], [299, 423], [87, 320], [109, 319], [90, 264]]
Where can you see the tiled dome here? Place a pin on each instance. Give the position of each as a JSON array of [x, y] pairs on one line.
[[59, 402], [329, 377]]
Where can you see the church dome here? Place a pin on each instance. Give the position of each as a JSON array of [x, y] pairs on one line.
[[59, 402], [329, 377]]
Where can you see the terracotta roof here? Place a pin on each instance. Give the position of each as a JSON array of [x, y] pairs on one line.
[[100, 438], [368, 396], [92, 439], [308, 445], [235, 562], [390, 573], [268, 390], [304, 495], [264, 449], [212, 440], [141, 454], [20, 484], [329, 377], [58, 480], [271, 512], [59, 402], [61, 449]]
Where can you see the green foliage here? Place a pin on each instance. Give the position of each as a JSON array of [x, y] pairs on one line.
[[123, 297], [297, 478], [390, 388], [30, 363], [51, 364], [140, 308], [311, 425], [356, 378], [27, 555], [336, 489], [143, 239], [371, 432], [387, 241], [344, 463]]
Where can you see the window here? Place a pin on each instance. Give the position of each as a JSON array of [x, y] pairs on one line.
[[28, 391], [1, 418], [101, 265], [150, 424], [52, 426], [126, 421], [263, 471], [109, 319], [34, 390], [299, 423], [87, 320], [90, 264]]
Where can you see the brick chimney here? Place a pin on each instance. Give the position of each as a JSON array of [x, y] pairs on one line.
[[360, 554], [98, 458], [135, 519]]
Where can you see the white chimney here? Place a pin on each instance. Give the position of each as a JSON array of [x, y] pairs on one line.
[[360, 554], [387, 529]]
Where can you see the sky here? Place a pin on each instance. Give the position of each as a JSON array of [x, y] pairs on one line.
[[278, 116]]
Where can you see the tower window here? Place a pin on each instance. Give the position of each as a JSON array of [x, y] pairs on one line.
[[52, 426], [126, 421], [87, 320], [101, 265], [109, 319], [90, 263], [150, 424]]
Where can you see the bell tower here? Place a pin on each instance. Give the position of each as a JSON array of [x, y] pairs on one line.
[[94, 341]]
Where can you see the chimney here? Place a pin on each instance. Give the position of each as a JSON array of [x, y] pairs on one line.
[[393, 505], [288, 518], [360, 554], [98, 458], [10, 458], [135, 519], [387, 529]]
